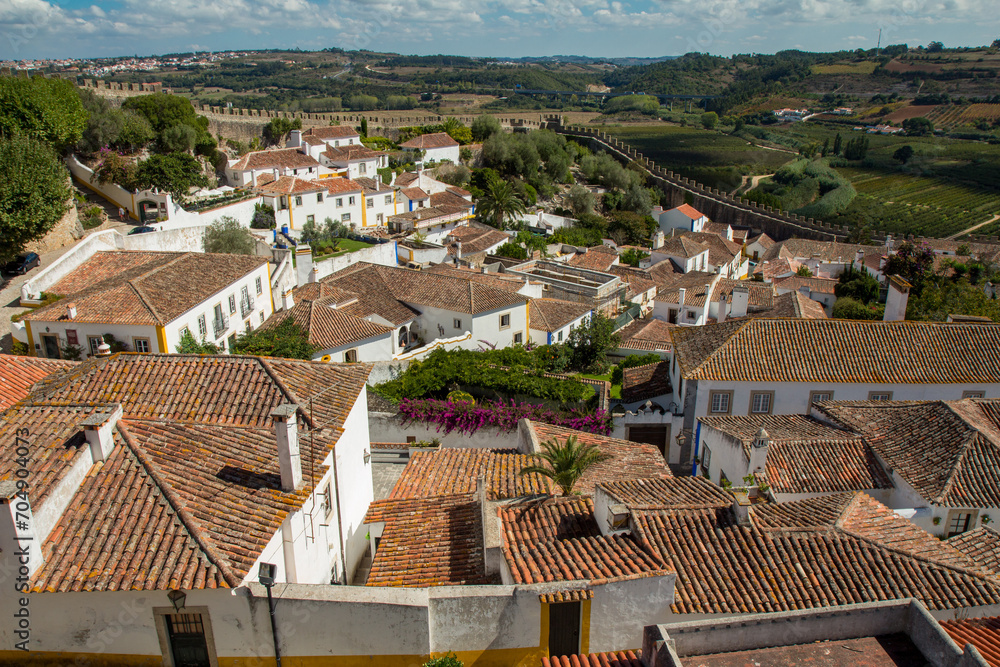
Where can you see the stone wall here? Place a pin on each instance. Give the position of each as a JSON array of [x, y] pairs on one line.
[[65, 232]]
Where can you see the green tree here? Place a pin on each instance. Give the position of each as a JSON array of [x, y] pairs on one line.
[[364, 127], [857, 284], [104, 124], [709, 120], [190, 345], [178, 139], [500, 205], [34, 192], [286, 339], [175, 173], [484, 127], [44, 109], [227, 235], [838, 144], [903, 154], [512, 250], [164, 111], [590, 344], [277, 129], [136, 131], [263, 217], [447, 660], [847, 308], [918, 127], [910, 262], [567, 462], [633, 257], [580, 200], [804, 272]]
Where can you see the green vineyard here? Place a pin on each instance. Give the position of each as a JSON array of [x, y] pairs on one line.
[[953, 115]]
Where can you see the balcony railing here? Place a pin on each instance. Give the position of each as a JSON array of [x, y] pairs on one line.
[[246, 306], [220, 326]]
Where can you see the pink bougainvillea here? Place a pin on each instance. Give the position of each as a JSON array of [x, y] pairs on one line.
[[468, 417]]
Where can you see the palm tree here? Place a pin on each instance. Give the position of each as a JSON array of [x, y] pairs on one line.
[[500, 203], [567, 462]]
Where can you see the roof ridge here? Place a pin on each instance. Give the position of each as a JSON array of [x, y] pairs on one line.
[[957, 467], [292, 397], [145, 302], [740, 324], [190, 525]]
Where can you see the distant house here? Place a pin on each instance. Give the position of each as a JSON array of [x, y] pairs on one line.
[[354, 161], [684, 299], [552, 320], [437, 147], [684, 217], [686, 253], [245, 171]]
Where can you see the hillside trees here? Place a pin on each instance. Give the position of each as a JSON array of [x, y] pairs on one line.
[[33, 192]]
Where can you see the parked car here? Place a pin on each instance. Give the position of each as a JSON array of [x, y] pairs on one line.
[[22, 264], [141, 230]]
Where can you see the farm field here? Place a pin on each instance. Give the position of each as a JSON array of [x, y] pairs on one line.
[[952, 115], [865, 67]]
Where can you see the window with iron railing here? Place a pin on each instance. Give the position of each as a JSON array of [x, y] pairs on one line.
[[220, 324], [246, 305]]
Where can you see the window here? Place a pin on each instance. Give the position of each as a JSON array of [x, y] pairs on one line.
[[328, 498], [319, 198], [672, 316], [336, 144], [350, 201], [298, 200], [345, 217], [388, 199], [958, 523], [92, 343], [457, 323], [505, 321], [295, 172], [260, 287], [282, 204], [232, 304], [262, 317], [340, 202], [311, 219], [351, 356], [560, 337], [378, 219], [691, 314], [880, 396], [202, 327], [245, 294], [363, 168], [760, 402], [965, 394], [141, 345], [184, 332], [720, 402], [518, 338], [185, 639], [706, 457], [818, 396], [370, 202]]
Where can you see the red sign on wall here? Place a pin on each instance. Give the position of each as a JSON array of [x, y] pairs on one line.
[[71, 337]]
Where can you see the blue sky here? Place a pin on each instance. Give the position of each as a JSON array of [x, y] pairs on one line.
[[605, 28]]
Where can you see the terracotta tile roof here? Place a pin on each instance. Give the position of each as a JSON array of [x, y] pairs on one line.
[[282, 158], [629, 460], [948, 451], [328, 327], [574, 595], [673, 493], [373, 291], [761, 294], [414, 194], [762, 240], [827, 551], [339, 185], [498, 280], [800, 350], [983, 633], [475, 239], [721, 251], [594, 259], [289, 185], [793, 304], [775, 268], [647, 334], [982, 545], [693, 284], [637, 281], [683, 246], [461, 192], [740, 235], [644, 382], [615, 659], [886, 650], [557, 539], [804, 455], [446, 198], [351, 153], [826, 251], [404, 179], [428, 213], [115, 287], [372, 185], [18, 374], [796, 282], [332, 132], [452, 471], [689, 211], [718, 229], [429, 542], [553, 314], [425, 141]]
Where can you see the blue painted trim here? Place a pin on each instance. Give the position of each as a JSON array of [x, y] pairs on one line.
[[697, 442]]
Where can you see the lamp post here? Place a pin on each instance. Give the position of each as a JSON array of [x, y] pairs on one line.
[[265, 575]]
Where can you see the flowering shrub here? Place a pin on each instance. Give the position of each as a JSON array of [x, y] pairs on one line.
[[468, 418]]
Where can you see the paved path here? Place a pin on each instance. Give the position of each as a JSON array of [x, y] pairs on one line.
[[973, 228]]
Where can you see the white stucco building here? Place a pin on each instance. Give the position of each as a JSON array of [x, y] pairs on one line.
[[437, 147]]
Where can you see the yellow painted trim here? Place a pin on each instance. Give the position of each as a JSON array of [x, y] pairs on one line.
[[161, 339], [411, 255], [291, 224], [585, 627], [31, 338]]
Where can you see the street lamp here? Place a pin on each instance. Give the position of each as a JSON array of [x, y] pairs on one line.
[[177, 598], [265, 575]]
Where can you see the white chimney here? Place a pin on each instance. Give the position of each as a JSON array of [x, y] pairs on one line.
[[758, 452], [680, 296], [98, 428], [287, 301], [659, 238], [71, 311], [295, 138], [286, 431], [722, 309], [859, 258], [314, 275], [740, 302], [895, 303], [888, 242]]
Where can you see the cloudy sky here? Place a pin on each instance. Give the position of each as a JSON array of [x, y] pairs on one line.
[[646, 28]]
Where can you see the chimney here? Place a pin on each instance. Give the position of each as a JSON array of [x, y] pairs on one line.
[[314, 275], [458, 249], [758, 452], [741, 505], [888, 242], [659, 238], [71, 311], [740, 303], [680, 296], [103, 349], [859, 257], [722, 309], [295, 138], [287, 301], [286, 431], [895, 303], [98, 429]]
